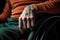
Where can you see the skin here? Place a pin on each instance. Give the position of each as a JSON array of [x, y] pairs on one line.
[[44, 7], [26, 20]]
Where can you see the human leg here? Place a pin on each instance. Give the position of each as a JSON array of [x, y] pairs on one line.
[[9, 30]]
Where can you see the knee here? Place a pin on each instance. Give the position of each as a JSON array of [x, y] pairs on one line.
[[2, 31], [11, 33]]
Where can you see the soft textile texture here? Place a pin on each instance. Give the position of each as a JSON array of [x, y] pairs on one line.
[[47, 6]]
